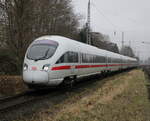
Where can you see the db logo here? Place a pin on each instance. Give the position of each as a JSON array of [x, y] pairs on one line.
[[73, 67], [34, 68]]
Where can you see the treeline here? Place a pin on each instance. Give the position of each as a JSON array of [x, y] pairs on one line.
[[103, 41], [21, 21]]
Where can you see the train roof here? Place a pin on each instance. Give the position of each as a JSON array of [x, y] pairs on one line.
[[64, 40]]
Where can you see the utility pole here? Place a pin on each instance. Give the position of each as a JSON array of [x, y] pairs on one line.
[[88, 24], [122, 40], [130, 43], [129, 47]]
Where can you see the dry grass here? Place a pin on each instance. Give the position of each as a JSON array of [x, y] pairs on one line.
[[10, 85], [122, 98]]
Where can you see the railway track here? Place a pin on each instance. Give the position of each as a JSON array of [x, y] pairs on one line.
[[17, 101], [2, 99], [14, 102], [146, 69], [27, 104]]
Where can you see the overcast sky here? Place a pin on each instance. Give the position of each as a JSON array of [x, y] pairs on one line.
[[130, 16]]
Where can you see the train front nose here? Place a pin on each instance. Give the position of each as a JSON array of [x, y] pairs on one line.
[[35, 77]]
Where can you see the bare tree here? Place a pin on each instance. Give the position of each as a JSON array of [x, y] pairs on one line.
[[127, 51], [55, 16], [23, 20], [99, 40]]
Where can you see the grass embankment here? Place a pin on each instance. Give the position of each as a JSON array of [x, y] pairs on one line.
[[11, 85], [122, 98]]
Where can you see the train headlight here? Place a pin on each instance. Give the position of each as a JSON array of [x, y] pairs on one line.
[[46, 67], [25, 67]]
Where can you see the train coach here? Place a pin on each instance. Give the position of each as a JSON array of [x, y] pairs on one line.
[[53, 60]]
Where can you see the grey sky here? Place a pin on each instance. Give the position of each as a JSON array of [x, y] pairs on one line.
[[130, 16]]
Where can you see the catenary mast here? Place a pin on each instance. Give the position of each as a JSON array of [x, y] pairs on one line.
[[88, 24]]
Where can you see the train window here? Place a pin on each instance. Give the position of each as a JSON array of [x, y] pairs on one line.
[[84, 58], [63, 59], [123, 61], [101, 59], [98, 59], [94, 58], [120, 61], [88, 58], [72, 57], [69, 57], [109, 60], [115, 60], [41, 51]]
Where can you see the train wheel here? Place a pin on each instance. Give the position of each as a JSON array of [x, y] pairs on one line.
[[69, 82]]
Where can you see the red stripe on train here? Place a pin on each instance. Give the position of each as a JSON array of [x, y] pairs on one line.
[[61, 68], [85, 66], [82, 66], [95, 66]]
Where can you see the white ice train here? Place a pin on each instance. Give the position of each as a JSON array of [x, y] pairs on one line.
[[52, 60]]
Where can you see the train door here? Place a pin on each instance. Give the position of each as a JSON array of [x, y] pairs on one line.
[[107, 68], [72, 70], [76, 60], [73, 58], [121, 62], [106, 62], [78, 56]]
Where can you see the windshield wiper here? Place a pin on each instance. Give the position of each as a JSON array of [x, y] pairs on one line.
[[41, 58]]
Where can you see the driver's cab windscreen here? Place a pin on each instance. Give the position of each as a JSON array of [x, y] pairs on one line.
[[42, 50]]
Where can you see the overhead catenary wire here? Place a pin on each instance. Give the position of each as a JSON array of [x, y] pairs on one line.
[[117, 28], [136, 41], [106, 18], [110, 22]]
